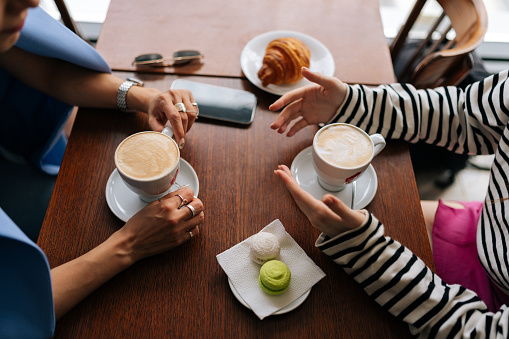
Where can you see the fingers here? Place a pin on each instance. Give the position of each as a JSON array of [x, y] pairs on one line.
[[178, 198], [176, 117], [183, 204], [186, 211], [296, 191], [300, 124], [192, 114], [192, 209], [175, 106], [190, 225], [289, 113], [288, 98], [335, 204], [193, 232], [189, 116], [318, 78]]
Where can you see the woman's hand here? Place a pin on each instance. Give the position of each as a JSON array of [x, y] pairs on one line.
[[313, 104], [161, 225], [162, 109], [158, 227], [330, 216]]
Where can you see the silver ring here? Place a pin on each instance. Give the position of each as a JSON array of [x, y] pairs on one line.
[[182, 202], [181, 107], [191, 208], [190, 234], [198, 110]]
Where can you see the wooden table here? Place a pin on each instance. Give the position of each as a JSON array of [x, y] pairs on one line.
[[184, 292], [351, 30]]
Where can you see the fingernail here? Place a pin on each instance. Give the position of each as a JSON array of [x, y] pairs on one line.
[[182, 143]]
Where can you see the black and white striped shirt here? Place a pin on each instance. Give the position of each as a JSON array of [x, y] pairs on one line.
[[474, 121]]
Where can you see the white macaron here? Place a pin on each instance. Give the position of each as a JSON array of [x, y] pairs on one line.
[[264, 247]]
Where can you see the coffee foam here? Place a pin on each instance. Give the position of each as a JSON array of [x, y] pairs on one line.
[[147, 155], [344, 146]]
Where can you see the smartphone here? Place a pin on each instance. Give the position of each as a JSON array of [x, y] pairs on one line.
[[221, 103]]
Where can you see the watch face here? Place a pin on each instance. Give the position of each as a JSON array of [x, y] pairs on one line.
[[136, 81]]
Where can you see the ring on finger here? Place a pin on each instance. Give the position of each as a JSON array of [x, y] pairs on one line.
[[191, 208], [197, 108], [183, 201], [180, 107], [190, 235]]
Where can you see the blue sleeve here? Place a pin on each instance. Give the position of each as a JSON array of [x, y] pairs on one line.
[[26, 298], [45, 36]]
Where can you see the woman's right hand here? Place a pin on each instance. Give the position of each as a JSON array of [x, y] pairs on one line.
[[161, 225], [312, 104]]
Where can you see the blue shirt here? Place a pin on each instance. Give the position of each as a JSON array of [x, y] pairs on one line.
[[30, 125], [31, 122]]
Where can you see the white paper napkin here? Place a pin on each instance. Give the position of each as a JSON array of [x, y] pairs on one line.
[[243, 272]]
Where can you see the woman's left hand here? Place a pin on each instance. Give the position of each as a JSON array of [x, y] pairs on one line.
[[162, 109], [163, 224], [330, 216]]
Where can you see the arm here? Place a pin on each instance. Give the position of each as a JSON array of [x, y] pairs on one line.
[[402, 284], [157, 228], [79, 86], [468, 121], [392, 275]]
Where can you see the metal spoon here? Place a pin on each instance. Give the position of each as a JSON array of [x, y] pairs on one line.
[[354, 188]]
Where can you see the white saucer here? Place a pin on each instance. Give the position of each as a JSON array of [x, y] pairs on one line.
[[124, 203], [251, 59], [286, 309], [303, 171]]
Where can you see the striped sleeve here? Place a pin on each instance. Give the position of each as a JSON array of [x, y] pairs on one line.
[[402, 284], [470, 121]]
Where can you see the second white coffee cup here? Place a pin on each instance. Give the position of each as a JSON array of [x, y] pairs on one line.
[[148, 163], [341, 153]]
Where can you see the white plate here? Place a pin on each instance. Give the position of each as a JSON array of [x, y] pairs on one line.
[[286, 309], [124, 203], [304, 172], [251, 59]]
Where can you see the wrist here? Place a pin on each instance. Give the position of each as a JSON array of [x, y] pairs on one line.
[[356, 219], [138, 98], [123, 91], [120, 247], [344, 90]]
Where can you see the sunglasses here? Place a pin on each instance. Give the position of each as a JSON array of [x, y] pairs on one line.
[[179, 58]]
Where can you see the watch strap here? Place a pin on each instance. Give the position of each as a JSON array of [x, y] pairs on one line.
[[122, 93]]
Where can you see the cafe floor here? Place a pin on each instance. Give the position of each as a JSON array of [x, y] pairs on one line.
[[470, 183]]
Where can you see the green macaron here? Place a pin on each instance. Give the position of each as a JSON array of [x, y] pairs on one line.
[[274, 277]]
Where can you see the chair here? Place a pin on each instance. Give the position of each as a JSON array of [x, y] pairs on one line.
[[68, 20], [440, 61]]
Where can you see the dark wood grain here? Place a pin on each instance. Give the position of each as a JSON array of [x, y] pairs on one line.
[[184, 293]]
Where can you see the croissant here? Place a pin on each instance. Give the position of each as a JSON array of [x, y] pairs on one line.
[[283, 61]]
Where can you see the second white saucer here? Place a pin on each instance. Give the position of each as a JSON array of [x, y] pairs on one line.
[[304, 172], [288, 308], [124, 203]]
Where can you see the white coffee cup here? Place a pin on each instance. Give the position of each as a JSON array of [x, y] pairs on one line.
[[148, 163], [341, 153]]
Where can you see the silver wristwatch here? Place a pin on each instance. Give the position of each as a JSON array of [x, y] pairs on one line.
[[122, 93]]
